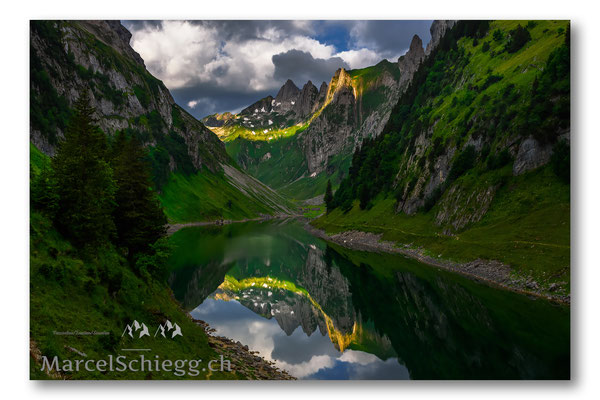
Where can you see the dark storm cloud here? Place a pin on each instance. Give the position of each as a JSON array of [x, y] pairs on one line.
[[383, 39], [389, 38], [300, 67], [211, 98], [255, 29], [239, 30]]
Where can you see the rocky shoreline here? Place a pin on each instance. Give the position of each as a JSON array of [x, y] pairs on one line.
[[491, 272], [172, 228], [244, 361]]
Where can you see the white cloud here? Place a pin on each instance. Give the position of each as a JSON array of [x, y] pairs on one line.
[[177, 52], [181, 53], [358, 357], [304, 369], [192, 104], [360, 58]]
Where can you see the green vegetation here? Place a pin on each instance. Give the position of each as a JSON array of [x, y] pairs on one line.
[[281, 165], [364, 80], [516, 82], [366, 77], [98, 196], [98, 261], [82, 181], [232, 132], [74, 290], [207, 196], [138, 216], [462, 92], [526, 226], [314, 211], [49, 112], [275, 157]]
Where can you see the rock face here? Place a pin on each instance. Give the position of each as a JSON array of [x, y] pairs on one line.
[[115, 35], [218, 120], [346, 121], [322, 97], [306, 100], [286, 97], [438, 29], [458, 199], [262, 106], [409, 62], [531, 154], [333, 128], [71, 56]]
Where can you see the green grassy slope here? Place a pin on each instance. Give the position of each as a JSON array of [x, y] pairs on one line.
[[474, 88], [526, 226], [506, 69], [74, 293], [208, 196], [281, 165], [205, 196], [71, 290]]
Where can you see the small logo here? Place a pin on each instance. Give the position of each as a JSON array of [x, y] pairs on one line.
[[134, 327], [163, 329], [168, 327]]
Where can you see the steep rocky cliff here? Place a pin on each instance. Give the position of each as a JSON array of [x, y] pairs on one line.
[[69, 57], [490, 99]]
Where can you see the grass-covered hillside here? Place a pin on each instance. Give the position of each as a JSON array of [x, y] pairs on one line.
[[72, 290], [474, 161], [101, 284], [229, 195], [526, 227], [281, 164]]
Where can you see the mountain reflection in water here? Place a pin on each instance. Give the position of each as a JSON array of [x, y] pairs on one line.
[[324, 312]]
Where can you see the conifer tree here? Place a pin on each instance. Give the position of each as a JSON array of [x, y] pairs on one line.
[[84, 180], [138, 216]]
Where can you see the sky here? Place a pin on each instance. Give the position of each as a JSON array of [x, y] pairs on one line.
[[219, 65]]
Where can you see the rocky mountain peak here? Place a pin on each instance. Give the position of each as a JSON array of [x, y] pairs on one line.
[[323, 89], [438, 29], [306, 100], [322, 96], [115, 35], [217, 120], [341, 79], [264, 105], [416, 46], [286, 97], [410, 61], [289, 91]]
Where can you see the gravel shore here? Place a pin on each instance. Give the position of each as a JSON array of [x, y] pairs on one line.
[[490, 271], [244, 361]]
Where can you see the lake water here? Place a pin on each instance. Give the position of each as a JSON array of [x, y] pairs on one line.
[[324, 312]]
